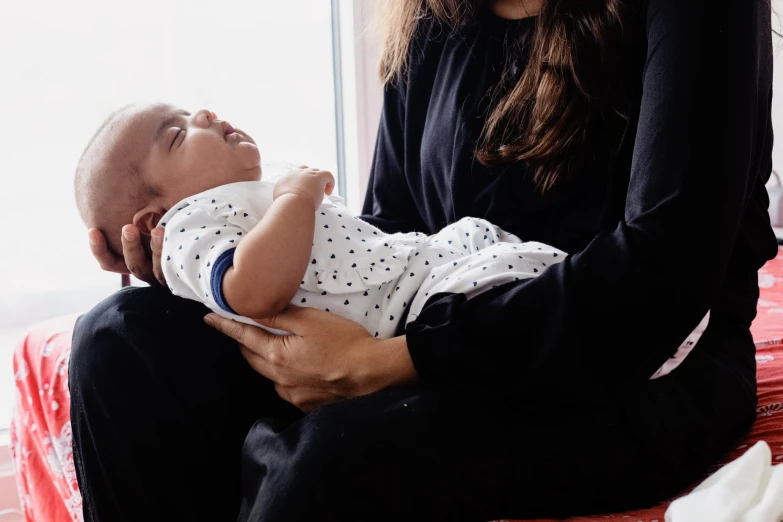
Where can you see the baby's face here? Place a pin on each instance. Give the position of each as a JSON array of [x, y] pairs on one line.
[[191, 153]]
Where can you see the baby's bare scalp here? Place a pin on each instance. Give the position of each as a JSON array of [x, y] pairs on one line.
[[110, 183]]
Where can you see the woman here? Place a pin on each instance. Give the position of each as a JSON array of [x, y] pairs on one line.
[[635, 135]]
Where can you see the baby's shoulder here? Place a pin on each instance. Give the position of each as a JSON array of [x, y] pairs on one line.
[[249, 199], [244, 193]]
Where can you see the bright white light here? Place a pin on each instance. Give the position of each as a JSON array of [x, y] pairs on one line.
[[264, 65]]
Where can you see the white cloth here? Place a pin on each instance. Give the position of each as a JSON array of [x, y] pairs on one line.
[[357, 271], [748, 489]]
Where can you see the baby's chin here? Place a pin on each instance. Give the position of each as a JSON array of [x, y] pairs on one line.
[[249, 154]]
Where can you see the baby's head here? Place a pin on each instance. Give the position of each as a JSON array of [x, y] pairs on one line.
[[145, 159]]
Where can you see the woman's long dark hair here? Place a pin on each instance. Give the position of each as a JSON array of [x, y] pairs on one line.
[[570, 79]]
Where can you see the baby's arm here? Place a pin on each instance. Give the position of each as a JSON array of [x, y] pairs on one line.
[[270, 262]]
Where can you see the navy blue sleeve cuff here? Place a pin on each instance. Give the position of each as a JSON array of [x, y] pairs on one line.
[[222, 264]]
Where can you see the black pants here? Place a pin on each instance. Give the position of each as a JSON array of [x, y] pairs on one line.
[[170, 423]]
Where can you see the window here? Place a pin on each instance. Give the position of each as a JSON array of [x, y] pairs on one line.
[[66, 65]]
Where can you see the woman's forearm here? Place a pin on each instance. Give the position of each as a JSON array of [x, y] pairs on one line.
[[270, 262]]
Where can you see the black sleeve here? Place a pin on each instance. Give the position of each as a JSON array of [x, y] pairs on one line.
[[388, 203], [622, 305]]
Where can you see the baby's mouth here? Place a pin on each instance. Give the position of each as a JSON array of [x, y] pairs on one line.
[[227, 129]]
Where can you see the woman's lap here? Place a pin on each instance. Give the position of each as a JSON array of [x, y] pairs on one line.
[[160, 405], [173, 402], [417, 454]]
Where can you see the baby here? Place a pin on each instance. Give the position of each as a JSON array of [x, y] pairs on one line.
[[247, 248]]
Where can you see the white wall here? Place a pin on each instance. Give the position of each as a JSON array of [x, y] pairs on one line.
[[362, 93], [64, 66]]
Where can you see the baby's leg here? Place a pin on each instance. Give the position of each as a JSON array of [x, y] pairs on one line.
[[491, 266]]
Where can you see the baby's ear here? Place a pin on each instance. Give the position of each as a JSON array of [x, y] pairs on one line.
[[147, 218]]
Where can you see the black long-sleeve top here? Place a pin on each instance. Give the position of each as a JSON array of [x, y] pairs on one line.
[[671, 226]]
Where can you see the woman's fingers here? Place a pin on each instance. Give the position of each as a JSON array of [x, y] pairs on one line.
[[290, 319], [106, 258], [240, 332], [304, 398], [259, 341], [260, 364], [135, 256], [156, 244]]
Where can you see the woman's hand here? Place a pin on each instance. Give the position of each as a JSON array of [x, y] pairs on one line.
[[328, 358], [134, 259]]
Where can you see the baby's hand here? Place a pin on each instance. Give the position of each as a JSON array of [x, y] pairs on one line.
[[306, 182]]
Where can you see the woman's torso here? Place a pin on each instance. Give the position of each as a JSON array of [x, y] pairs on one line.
[[446, 99]]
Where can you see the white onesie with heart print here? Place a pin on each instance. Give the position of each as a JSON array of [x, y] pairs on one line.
[[356, 270]]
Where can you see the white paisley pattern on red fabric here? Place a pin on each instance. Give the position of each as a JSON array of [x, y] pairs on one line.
[[41, 428]]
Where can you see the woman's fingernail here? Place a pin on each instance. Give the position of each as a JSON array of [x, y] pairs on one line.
[[209, 319], [157, 241], [129, 236], [91, 239]]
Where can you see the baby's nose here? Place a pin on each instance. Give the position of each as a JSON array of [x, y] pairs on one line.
[[204, 118]]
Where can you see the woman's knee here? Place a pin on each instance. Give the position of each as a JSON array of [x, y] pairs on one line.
[[100, 344], [373, 447]]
